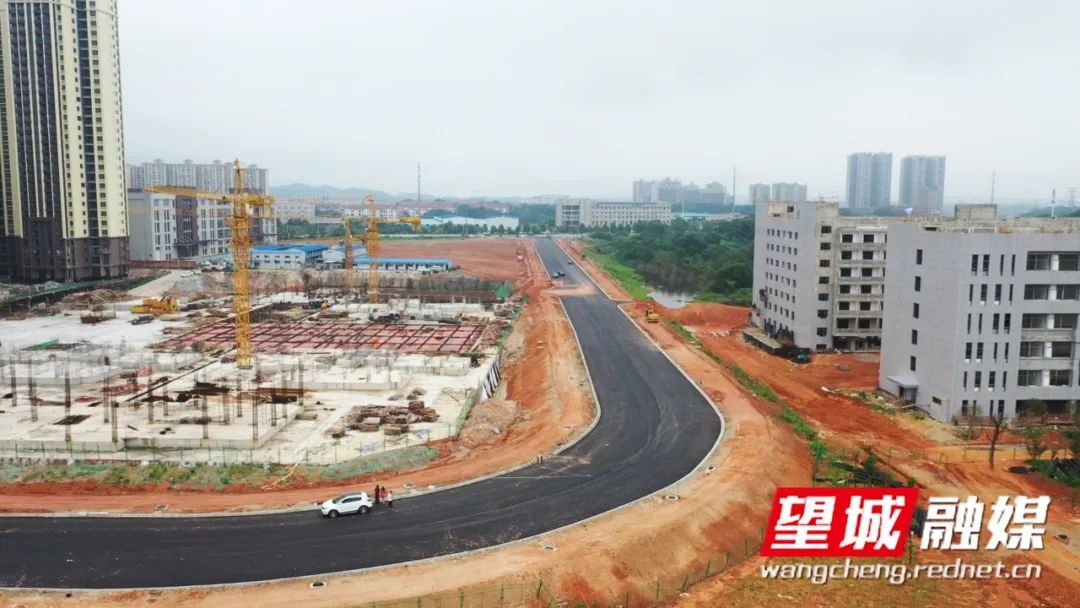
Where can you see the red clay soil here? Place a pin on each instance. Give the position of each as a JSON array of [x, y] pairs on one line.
[[487, 258], [545, 377], [718, 327]]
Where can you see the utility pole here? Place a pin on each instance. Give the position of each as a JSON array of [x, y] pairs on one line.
[[205, 417], [300, 399], [239, 400], [115, 420], [105, 394], [150, 401]]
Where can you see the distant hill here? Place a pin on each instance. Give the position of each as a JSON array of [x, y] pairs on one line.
[[306, 191]]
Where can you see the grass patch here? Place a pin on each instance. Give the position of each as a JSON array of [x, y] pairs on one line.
[[630, 279], [685, 333], [1060, 473], [392, 461]]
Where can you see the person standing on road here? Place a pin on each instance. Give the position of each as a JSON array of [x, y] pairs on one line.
[[383, 495], [390, 500], [376, 495]]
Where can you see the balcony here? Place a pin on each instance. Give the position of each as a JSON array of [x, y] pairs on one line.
[[1048, 335], [858, 314], [859, 279], [860, 246], [837, 331]]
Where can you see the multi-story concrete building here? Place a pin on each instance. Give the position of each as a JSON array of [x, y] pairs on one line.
[[760, 193], [63, 201], [208, 177], [384, 214], [577, 213], [152, 220], [789, 192], [922, 184], [295, 208], [202, 228], [670, 190], [869, 180], [818, 277], [646, 191], [982, 313]]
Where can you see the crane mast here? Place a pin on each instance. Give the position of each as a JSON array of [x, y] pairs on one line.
[[371, 243], [242, 204]]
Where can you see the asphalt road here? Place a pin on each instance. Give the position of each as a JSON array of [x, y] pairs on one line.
[[653, 430]]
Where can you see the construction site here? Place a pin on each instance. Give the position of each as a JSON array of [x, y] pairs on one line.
[[284, 367]]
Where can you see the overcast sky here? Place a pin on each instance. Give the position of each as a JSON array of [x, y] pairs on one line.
[[514, 97]]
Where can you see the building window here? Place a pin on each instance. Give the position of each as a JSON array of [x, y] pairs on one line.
[[1038, 261], [967, 352], [982, 293], [914, 336], [847, 238], [1029, 377], [918, 256], [821, 331], [826, 246], [823, 297], [1061, 349], [978, 380], [868, 238], [824, 263], [843, 305], [868, 256], [915, 310], [1036, 292], [979, 352], [1060, 377], [918, 283], [826, 230], [1069, 261], [822, 314], [911, 363], [974, 264], [997, 294], [986, 264]]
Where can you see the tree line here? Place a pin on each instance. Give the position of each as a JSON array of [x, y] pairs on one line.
[[712, 259]]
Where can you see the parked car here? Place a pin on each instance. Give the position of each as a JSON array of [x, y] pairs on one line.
[[347, 504]]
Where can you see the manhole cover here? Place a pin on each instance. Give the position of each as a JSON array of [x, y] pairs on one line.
[[710, 469], [549, 547], [671, 497], [317, 584], [408, 485]]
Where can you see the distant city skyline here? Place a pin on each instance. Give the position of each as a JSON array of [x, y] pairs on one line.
[[518, 113]]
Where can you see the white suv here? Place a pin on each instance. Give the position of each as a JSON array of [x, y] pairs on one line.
[[347, 504]]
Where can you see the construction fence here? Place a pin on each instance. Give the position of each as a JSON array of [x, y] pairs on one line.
[[546, 594]]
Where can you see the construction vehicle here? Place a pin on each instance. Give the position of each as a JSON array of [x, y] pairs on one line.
[[652, 316], [793, 353], [156, 306], [242, 202], [371, 243]]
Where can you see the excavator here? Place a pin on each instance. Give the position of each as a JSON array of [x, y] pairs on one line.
[[156, 306], [651, 315]]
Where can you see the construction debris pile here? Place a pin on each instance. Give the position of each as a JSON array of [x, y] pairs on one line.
[[392, 419]]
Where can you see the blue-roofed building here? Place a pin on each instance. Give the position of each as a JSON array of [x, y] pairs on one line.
[[287, 256]]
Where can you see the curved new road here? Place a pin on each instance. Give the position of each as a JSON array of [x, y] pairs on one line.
[[655, 427]]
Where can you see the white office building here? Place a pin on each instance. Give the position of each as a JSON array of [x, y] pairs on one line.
[[577, 213], [818, 277], [982, 314], [152, 220]]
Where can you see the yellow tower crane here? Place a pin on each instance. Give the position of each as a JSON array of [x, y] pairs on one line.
[[242, 203], [347, 261], [371, 243]]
